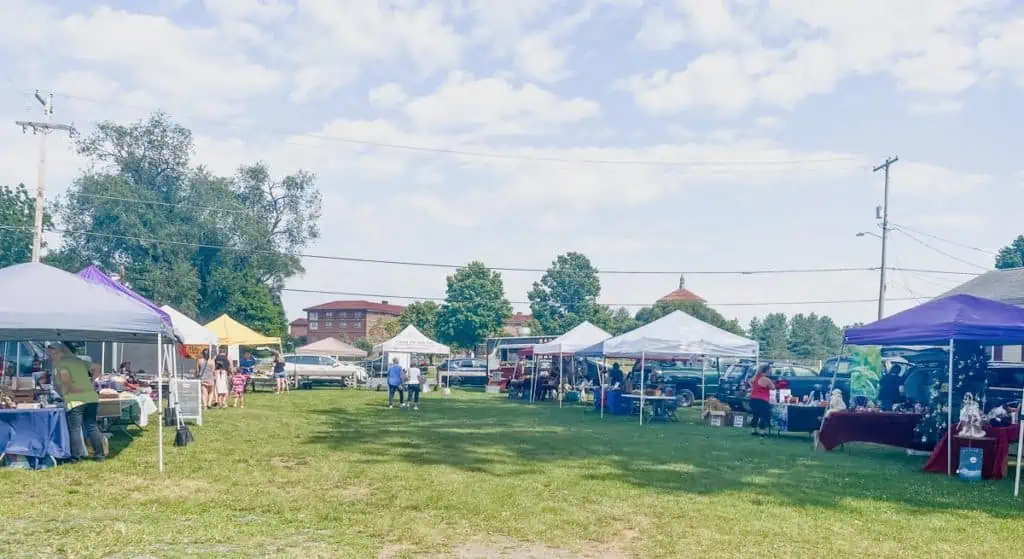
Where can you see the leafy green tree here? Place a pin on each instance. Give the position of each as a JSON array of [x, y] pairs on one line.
[[623, 321], [422, 315], [18, 209], [697, 309], [363, 344], [141, 185], [475, 307], [384, 330], [805, 339], [772, 333], [567, 295], [1012, 255]]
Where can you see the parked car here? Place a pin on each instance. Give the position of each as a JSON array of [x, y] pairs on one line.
[[1005, 385], [734, 388], [464, 371], [308, 370], [685, 380]]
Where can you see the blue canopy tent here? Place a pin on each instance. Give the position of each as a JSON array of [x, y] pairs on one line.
[[942, 322]]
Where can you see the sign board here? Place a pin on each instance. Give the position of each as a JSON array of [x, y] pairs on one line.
[[187, 393], [716, 420], [738, 420]]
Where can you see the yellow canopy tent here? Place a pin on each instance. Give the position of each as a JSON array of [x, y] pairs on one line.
[[231, 332]]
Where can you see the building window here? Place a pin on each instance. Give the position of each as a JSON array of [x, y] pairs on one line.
[[357, 324], [314, 326], [313, 316], [328, 314], [329, 325]]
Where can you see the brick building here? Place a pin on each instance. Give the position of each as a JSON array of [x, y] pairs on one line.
[[682, 294], [347, 320], [516, 325], [298, 328]]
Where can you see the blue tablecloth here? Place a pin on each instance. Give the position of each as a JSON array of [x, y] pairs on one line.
[[38, 433], [614, 404]]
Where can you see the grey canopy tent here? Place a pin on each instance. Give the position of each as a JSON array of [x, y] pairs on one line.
[[42, 303]]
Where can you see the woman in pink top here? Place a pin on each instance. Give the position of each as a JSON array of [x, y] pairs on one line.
[[760, 396]]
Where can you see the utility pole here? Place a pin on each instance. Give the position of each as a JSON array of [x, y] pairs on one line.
[[883, 214], [42, 129]]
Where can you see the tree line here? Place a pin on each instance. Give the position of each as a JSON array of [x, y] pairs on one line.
[[207, 244]]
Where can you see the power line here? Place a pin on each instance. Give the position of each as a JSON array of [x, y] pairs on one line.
[[159, 203], [728, 304], [361, 260], [940, 239], [940, 251], [500, 155]]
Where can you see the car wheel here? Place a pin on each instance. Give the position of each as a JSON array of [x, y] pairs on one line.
[[686, 398]]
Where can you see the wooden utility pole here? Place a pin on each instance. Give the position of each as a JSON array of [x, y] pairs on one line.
[[42, 129], [885, 232]]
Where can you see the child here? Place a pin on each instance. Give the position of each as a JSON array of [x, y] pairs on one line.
[[238, 381], [220, 380]]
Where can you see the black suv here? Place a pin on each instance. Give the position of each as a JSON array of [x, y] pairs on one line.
[[734, 388]]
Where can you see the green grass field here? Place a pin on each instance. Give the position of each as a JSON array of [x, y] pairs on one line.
[[332, 473]]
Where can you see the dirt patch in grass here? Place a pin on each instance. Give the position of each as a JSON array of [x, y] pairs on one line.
[[510, 549], [288, 462]]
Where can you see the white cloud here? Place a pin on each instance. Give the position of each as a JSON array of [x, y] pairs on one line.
[[387, 96], [935, 107], [495, 106], [258, 10], [943, 222], [1000, 49], [660, 31], [538, 58], [705, 22]]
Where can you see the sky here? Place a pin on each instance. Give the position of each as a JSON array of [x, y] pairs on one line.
[[678, 136]]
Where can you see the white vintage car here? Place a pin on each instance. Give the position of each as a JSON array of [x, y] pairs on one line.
[[308, 370]]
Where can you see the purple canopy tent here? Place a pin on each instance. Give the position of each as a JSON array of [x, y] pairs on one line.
[[93, 274], [943, 321]]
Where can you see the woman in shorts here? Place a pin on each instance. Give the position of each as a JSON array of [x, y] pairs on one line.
[[204, 371], [279, 377]]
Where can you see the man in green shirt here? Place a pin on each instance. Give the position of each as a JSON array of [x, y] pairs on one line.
[[72, 380]]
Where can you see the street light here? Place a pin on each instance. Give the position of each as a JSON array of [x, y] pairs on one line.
[[875, 235]]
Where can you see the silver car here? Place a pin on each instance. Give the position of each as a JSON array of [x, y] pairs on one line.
[[307, 370]]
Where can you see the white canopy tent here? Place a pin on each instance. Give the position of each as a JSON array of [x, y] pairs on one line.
[[331, 347], [674, 335], [582, 336], [46, 304], [410, 341], [190, 331]]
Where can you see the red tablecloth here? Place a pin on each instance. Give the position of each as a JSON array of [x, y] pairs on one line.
[[888, 428], [994, 461]]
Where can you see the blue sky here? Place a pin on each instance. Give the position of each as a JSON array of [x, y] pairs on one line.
[[773, 113]]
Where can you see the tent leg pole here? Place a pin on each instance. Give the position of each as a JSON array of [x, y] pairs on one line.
[[561, 383], [601, 379], [1020, 446], [703, 381], [643, 375], [949, 414], [160, 399], [831, 386]]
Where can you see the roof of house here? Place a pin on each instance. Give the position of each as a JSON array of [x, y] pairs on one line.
[[382, 307], [682, 294], [1005, 286], [518, 319], [299, 322]]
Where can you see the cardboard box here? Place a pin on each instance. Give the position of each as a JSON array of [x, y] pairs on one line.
[[717, 419], [739, 419]]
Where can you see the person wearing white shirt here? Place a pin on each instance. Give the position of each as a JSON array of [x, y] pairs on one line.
[[413, 382]]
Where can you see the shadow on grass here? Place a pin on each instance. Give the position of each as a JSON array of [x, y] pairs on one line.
[[491, 436]]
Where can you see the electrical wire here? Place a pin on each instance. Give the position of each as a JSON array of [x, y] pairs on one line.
[[611, 305], [750, 272], [940, 239], [938, 250], [500, 155], [164, 204]]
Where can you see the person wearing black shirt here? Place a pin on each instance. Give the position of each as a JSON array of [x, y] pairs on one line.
[[221, 363], [889, 387]]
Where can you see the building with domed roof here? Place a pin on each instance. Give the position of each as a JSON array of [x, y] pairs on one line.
[[682, 294]]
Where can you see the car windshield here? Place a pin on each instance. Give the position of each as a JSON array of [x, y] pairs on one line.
[[736, 371]]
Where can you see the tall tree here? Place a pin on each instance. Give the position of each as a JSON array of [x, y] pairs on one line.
[[474, 308], [697, 309], [622, 321], [772, 333], [422, 315], [383, 330], [567, 295], [141, 185], [1012, 255], [17, 210], [805, 337]]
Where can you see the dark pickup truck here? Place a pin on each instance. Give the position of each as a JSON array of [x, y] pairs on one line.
[[734, 388], [683, 379]]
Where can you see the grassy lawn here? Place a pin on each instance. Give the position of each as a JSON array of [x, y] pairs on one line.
[[333, 473]]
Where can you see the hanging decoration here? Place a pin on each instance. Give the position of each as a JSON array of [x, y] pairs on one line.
[[970, 365]]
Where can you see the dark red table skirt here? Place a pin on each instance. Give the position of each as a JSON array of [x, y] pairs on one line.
[[888, 428], [994, 461]]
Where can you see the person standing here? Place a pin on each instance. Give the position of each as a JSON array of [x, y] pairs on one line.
[[890, 386], [204, 371], [75, 386], [279, 376], [760, 399], [413, 382], [238, 382], [395, 384]]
